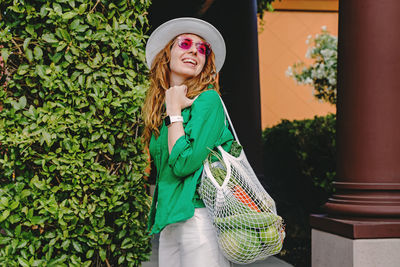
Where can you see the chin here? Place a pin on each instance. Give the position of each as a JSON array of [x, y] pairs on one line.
[[190, 74]]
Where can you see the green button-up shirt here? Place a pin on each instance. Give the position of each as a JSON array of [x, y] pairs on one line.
[[178, 173]]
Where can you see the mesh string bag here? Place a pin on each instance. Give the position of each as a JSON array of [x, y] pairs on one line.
[[243, 213]]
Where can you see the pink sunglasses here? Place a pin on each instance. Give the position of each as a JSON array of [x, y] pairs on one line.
[[186, 43]]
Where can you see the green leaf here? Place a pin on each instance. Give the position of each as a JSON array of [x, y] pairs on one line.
[[5, 54], [81, 28], [43, 11], [121, 259], [49, 253], [38, 183], [25, 193], [29, 29], [36, 220], [23, 262], [5, 240], [65, 244], [4, 201], [22, 102], [22, 69], [82, 8], [56, 262], [69, 15], [18, 230], [127, 243], [103, 254], [4, 215], [74, 24], [26, 43], [47, 137], [57, 8], [29, 54], [14, 218], [32, 249], [89, 253], [95, 136], [77, 246], [22, 244], [49, 37], [65, 35], [110, 148], [14, 205], [37, 51]]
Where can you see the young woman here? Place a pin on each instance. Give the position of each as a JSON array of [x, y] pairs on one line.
[[184, 120]]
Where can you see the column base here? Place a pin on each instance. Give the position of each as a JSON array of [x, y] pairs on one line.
[[365, 200], [356, 228], [333, 250]]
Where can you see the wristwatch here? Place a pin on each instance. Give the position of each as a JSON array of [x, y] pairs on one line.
[[171, 119]]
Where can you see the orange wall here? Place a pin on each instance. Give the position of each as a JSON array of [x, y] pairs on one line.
[[282, 42]]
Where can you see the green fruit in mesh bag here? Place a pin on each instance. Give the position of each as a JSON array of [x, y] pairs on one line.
[[271, 239], [247, 220], [240, 244]]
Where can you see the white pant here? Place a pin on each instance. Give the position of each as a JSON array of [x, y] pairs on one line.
[[191, 243]]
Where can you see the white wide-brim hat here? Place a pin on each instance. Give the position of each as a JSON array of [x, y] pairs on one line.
[[172, 28]]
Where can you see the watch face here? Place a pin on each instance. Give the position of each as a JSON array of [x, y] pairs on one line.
[[167, 121]]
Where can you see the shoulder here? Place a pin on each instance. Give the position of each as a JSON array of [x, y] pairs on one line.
[[208, 98]]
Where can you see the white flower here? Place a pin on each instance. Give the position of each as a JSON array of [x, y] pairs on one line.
[[308, 80], [308, 53], [309, 37], [313, 73], [332, 81], [327, 53], [323, 28], [289, 72], [319, 74]]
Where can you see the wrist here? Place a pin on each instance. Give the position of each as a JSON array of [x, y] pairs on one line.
[[171, 119], [173, 111]]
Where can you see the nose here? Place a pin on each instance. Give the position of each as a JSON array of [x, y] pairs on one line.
[[193, 49]]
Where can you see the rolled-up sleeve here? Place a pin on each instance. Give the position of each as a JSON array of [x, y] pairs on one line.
[[202, 132]]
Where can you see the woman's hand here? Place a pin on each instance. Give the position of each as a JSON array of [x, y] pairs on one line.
[[176, 99]]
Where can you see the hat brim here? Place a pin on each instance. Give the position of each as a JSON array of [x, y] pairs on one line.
[[172, 28]]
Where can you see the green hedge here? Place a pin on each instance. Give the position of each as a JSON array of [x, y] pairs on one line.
[[299, 166], [72, 191]]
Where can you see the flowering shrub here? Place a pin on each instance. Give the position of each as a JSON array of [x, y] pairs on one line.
[[322, 75]]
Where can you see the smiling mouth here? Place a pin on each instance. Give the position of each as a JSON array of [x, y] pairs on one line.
[[190, 61]]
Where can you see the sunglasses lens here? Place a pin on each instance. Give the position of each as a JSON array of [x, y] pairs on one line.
[[185, 43], [202, 48]]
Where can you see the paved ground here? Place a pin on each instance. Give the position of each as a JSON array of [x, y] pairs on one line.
[[269, 262]]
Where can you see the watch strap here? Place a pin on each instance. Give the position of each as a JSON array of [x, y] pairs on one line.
[[171, 119]]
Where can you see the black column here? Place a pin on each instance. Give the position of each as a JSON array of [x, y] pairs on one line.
[[239, 78]]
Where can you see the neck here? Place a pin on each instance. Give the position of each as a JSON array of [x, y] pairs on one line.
[[175, 80]]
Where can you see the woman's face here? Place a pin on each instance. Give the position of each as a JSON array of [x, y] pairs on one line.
[[186, 63]]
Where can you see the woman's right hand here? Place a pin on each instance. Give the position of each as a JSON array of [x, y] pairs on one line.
[[176, 99]]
